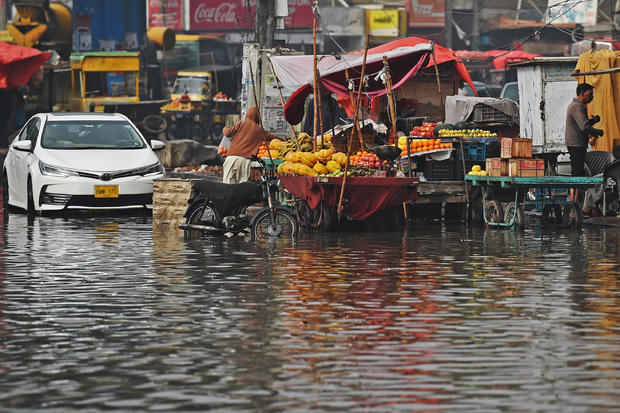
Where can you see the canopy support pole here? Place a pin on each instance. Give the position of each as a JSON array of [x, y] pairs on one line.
[[443, 108], [275, 78], [350, 139], [388, 83], [357, 124], [315, 86], [260, 119]]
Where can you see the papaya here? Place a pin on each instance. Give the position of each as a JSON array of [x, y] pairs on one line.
[[333, 166], [276, 144], [320, 168], [308, 158]]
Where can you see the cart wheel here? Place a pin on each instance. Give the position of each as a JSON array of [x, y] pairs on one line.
[[552, 214], [519, 221], [572, 216], [494, 212], [305, 215]]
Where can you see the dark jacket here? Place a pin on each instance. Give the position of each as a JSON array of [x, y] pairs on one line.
[[331, 113]]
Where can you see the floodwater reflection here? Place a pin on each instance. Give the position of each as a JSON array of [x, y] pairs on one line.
[[103, 313]]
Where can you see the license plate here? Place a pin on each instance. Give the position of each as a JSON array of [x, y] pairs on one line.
[[106, 191]]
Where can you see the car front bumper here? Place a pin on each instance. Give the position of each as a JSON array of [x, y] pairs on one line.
[[75, 192]]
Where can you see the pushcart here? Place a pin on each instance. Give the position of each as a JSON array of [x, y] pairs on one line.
[[551, 194], [317, 196]]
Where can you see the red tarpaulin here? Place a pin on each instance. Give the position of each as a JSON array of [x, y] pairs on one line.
[[442, 55], [499, 57], [365, 196], [18, 63], [403, 63]]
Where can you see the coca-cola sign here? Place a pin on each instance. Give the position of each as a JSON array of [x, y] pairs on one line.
[[238, 15]]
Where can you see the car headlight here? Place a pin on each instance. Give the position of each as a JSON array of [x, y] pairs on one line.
[[56, 170], [156, 168]]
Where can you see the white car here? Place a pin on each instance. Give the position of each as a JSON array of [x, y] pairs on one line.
[[80, 160]]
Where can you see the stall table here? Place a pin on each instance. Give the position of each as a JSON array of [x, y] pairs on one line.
[[363, 196]]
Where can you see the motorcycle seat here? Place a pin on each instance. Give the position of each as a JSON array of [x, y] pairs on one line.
[[228, 197]]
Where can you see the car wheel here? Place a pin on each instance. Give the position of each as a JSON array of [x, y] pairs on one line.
[[5, 194], [31, 209]]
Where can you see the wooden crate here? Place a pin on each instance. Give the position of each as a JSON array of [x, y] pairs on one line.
[[516, 148], [526, 167], [497, 167]]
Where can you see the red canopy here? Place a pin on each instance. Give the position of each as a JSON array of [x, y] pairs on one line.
[[442, 55], [403, 64], [499, 57], [18, 63]]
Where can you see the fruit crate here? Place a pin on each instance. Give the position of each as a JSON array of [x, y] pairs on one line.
[[486, 113], [473, 151], [406, 124], [440, 170]]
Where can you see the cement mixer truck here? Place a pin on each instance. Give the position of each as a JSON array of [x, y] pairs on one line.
[[42, 24]]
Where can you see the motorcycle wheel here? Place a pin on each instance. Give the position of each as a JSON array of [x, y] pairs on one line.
[[202, 214], [285, 225]]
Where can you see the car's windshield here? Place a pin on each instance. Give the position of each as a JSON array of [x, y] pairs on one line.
[[91, 134], [194, 85], [511, 91], [481, 88]]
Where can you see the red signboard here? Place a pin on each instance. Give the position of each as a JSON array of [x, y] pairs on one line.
[[232, 15], [166, 13], [426, 13]]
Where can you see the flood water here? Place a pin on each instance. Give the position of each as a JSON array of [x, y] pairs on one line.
[[101, 313]]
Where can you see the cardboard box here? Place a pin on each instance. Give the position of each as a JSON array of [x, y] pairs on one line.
[[516, 148], [526, 167], [497, 167]]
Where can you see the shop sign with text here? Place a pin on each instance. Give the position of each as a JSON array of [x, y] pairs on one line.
[[166, 13], [426, 13], [240, 14]]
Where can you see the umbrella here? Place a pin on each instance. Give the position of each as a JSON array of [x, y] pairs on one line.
[[18, 63]]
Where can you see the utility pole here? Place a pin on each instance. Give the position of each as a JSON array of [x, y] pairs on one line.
[[3, 7], [265, 23], [475, 27], [448, 24]]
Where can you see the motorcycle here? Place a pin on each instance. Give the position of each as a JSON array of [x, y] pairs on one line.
[[607, 196], [217, 207]]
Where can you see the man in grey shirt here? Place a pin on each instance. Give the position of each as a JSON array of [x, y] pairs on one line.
[[579, 128]]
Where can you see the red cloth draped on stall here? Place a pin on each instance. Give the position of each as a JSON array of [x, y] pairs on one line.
[[365, 195]]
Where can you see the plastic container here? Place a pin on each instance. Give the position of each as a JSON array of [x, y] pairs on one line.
[[473, 151], [439, 170], [486, 113]]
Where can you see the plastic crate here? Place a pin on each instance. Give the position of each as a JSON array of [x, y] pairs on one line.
[[439, 170], [473, 151], [407, 124], [486, 113]]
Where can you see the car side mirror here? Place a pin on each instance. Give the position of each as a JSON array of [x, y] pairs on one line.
[[157, 145], [25, 146]]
